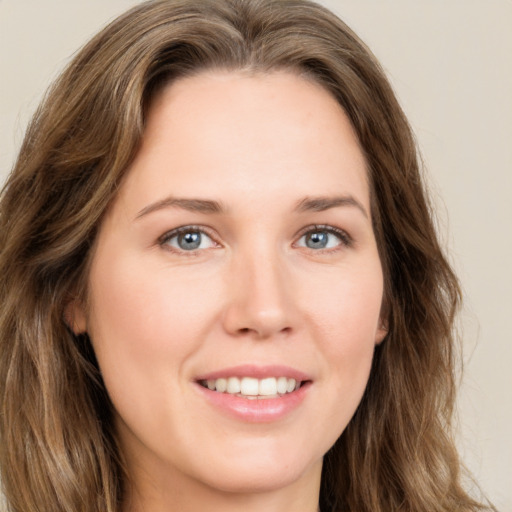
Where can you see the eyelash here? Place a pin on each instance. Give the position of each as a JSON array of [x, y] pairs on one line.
[[163, 241], [346, 240]]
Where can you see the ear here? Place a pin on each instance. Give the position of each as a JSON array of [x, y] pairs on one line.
[[382, 331], [75, 317]]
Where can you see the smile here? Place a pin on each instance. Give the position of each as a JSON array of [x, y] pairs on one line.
[[253, 388], [255, 393]]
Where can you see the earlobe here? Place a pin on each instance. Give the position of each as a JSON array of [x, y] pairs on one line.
[[74, 316], [382, 331]]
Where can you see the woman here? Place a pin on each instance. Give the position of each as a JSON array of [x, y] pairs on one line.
[[221, 285]]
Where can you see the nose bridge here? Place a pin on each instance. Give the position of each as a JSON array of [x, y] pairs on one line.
[[260, 300]]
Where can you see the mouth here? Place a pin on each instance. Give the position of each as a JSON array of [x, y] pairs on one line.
[[253, 388], [255, 393]]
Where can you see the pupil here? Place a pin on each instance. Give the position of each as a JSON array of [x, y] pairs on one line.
[[316, 240], [189, 241]]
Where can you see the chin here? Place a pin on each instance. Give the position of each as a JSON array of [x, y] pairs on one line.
[[266, 478], [260, 468]]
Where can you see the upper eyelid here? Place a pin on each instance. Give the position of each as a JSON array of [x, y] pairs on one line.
[[210, 232], [325, 227], [188, 227]]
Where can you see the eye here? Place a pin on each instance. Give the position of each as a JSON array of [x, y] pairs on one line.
[[188, 239], [324, 237]]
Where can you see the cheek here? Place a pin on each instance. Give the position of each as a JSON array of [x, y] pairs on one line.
[[144, 324], [346, 317], [145, 328], [346, 307]]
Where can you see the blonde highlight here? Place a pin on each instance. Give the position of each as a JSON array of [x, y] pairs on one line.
[[58, 447]]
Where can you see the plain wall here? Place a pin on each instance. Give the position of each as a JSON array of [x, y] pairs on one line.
[[450, 64]]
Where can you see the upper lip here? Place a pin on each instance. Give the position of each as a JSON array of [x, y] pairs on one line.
[[257, 372]]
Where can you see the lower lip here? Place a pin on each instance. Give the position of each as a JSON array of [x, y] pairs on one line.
[[259, 410]]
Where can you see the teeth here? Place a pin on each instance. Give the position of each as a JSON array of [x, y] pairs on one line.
[[268, 386], [234, 386], [249, 387], [282, 385], [221, 385]]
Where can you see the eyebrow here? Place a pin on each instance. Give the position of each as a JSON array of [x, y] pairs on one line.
[[315, 204], [192, 205], [320, 204]]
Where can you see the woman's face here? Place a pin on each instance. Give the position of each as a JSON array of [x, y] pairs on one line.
[[238, 253]]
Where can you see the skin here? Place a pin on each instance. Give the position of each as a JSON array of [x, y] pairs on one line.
[[254, 292]]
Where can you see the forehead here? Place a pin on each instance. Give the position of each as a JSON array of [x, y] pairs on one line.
[[228, 132]]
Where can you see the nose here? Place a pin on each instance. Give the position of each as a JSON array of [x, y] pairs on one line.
[[261, 302]]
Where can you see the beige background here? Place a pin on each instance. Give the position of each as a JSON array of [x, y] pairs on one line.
[[450, 63]]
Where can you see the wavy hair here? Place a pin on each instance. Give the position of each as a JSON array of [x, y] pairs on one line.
[[58, 447]]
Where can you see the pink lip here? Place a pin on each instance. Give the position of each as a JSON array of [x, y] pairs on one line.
[[265, 410], [262, 410], [257, 372]]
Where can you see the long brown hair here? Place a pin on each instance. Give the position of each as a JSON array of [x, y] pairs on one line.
[[58, 448]]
